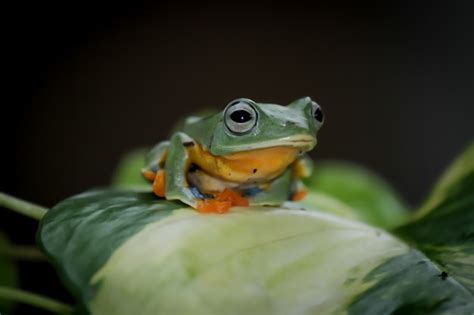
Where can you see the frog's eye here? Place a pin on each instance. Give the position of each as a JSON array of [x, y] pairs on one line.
[[318, 113], [240, 117]]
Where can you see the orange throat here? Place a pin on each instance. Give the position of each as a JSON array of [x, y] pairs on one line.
[[257, 165]]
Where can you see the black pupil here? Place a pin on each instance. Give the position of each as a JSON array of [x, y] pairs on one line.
[[318, 114], [240, 116]]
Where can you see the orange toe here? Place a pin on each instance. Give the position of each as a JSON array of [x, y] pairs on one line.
[[213, 206], [298, 195], [222, 202], [159, 184], [233, 197], [149, 175]]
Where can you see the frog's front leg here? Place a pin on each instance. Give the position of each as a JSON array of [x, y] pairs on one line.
[[176, 186]]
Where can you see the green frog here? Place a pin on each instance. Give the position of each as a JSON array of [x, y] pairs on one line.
[[248, 154]]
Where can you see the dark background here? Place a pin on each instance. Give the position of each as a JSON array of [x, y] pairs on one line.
[[89, 82]]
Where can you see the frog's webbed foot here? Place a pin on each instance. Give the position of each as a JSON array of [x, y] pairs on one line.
[[158, 179], [222, 201], [213, 206], [207, 203], [299, 194], [232, 196], [303, 167], [159, 183]]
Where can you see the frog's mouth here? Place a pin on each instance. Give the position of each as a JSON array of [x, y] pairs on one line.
[[298, 141], [301, 142]]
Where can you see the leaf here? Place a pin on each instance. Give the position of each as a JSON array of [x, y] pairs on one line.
[[411, 284], [461, 167], [80, 233], [8, 273], [444, 226], [372, 199], [126, 252], [315, 201]]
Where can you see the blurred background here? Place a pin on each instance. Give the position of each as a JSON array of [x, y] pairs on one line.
[[89, 82]]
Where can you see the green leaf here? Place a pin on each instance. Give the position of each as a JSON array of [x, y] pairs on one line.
[[315, 201], [128, 172], [8, 273], [461, 167], [372, 198], [80, 233], [125, 252], [412, 284], [444, 226]]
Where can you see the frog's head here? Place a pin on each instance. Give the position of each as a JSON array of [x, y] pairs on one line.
[[247, 125]]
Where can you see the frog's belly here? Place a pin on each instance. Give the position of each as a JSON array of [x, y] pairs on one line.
[[208, 184], [246, 167]]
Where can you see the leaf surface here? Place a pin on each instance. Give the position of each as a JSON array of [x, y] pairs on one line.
[[372, 199], [124, 252], [443, 227]]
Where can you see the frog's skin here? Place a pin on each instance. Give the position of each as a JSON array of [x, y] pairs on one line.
[[250, 153]]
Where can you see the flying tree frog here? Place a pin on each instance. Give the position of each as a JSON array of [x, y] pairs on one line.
[[248, 154]]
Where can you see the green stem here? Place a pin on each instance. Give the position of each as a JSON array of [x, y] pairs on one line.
[[24, 207], [34, 300], [23, 252]]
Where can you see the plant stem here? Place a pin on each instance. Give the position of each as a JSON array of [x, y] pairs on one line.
[[24, 207], [34, 300], [23, 252]]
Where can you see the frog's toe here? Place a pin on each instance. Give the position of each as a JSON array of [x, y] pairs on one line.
[[149, 174], [159, 183], [299, 194], [221, 202], [232, 196], [213, 206]]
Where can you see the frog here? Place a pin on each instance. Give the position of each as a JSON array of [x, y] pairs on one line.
[[248, 154]]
